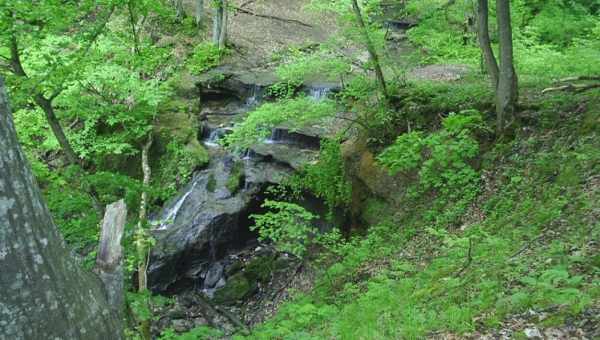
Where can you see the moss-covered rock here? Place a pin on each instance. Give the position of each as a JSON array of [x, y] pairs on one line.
[[198, 153], [237, 288], [236, 177], [260, 268]]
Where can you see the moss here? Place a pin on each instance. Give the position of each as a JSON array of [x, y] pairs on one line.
[[236, 178], [198, 153], [211, 184], [236, 288], [375, 211], [260, 268]]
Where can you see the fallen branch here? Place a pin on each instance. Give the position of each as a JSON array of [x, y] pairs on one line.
[[574, 87], [245, 11]]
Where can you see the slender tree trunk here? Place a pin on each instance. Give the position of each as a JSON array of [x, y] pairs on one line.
[[57, 129], [506, 94], [370, 49], [218, 23], [223, 32], [132, 24], [483, 36], [179, 10], [199, 13], [45, 292], [141, 233]]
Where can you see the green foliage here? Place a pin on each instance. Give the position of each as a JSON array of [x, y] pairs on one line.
[[326, 178], [205, 57], [530, 252], [294, 113], [441, 161], [288, 225], [543, 49], [118, 108], [201, 332]]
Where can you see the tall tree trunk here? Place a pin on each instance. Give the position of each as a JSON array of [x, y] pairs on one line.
[[45, 293], [218, 22], [506, 94], [483, 35], [370, 49], [199, 12], [141, 233], [224, 19]]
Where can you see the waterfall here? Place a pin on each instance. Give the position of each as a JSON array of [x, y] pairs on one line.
[[255, 96], [319, 93], [172, 213], [277, 136], [214, 136]]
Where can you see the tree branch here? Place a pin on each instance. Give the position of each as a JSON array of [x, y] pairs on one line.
[[245, 11]]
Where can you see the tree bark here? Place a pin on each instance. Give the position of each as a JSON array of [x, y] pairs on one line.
[[483, 35], [45, 293], [506, 93], [370, 49]]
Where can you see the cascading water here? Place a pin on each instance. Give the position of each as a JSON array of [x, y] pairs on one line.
[[214, 136], [319, 93], [255, 97], [171, 213]]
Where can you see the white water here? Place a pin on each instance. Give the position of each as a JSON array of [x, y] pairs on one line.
[[213, 138], [172, 213], [319, 93]]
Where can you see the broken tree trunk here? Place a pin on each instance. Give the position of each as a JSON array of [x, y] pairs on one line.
[[109, 261]]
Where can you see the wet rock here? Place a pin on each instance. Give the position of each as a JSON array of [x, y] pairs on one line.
[[208, 219], [213, 275]]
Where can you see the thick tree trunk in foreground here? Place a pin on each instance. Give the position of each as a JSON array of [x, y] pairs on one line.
[[370, 49], [45, 293], [483, 35], [506, 93]]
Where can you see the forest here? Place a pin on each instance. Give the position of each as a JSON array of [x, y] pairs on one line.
[[299, 169]]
